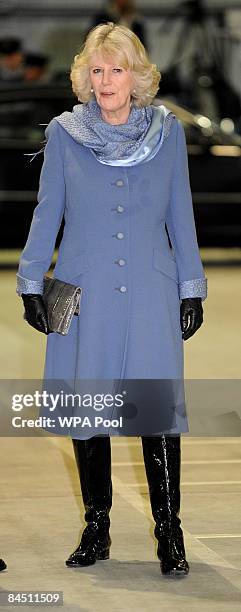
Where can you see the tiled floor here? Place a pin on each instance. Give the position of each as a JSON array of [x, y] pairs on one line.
[[41, 508]]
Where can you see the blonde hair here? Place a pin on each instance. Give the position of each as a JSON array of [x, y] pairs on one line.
[[120, 42]]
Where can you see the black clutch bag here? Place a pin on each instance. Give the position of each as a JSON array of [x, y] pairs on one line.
[[62, 302]]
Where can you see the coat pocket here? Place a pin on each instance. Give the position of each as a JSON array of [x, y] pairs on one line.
[[70, 268], [163, 262]]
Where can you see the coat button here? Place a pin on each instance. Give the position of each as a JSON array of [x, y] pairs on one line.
[[119, 235], [121, 262], [119, 183], [120, 208]]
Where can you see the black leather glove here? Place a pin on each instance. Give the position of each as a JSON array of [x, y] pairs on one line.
[[191, 316], [35, 311]]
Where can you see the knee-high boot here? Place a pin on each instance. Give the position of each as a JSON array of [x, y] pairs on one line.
[[162, 456], [93, 458]]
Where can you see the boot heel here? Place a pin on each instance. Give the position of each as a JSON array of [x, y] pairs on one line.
[[103, 554]]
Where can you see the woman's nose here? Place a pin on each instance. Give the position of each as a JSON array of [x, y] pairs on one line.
[[106, 78]]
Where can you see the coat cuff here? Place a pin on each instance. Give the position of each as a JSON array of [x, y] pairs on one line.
[[193, 288], [26, 285]]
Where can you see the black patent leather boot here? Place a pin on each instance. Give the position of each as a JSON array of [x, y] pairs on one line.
[[93, 458], [2, 565], [162, 456]]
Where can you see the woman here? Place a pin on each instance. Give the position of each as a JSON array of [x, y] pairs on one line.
[[116, 167]]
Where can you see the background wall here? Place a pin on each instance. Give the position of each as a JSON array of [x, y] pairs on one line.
[[58, 29], [7, 4]]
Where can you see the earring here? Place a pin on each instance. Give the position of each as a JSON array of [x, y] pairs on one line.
[[91, 89]]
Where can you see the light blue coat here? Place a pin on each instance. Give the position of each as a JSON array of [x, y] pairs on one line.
[[116, 248]]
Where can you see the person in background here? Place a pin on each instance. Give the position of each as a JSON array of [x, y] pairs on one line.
[[11, 60], [36, 68], [124, 13]]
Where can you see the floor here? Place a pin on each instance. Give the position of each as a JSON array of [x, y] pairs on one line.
[[41, 507]]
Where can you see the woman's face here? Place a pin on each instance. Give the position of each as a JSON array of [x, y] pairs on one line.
[[112, 84]]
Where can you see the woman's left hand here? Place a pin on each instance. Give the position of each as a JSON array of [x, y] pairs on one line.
[[191, 316]]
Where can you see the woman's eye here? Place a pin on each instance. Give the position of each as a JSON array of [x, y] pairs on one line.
[[118, 69]]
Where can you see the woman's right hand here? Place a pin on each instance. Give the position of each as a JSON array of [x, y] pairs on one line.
[[35, 311]]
